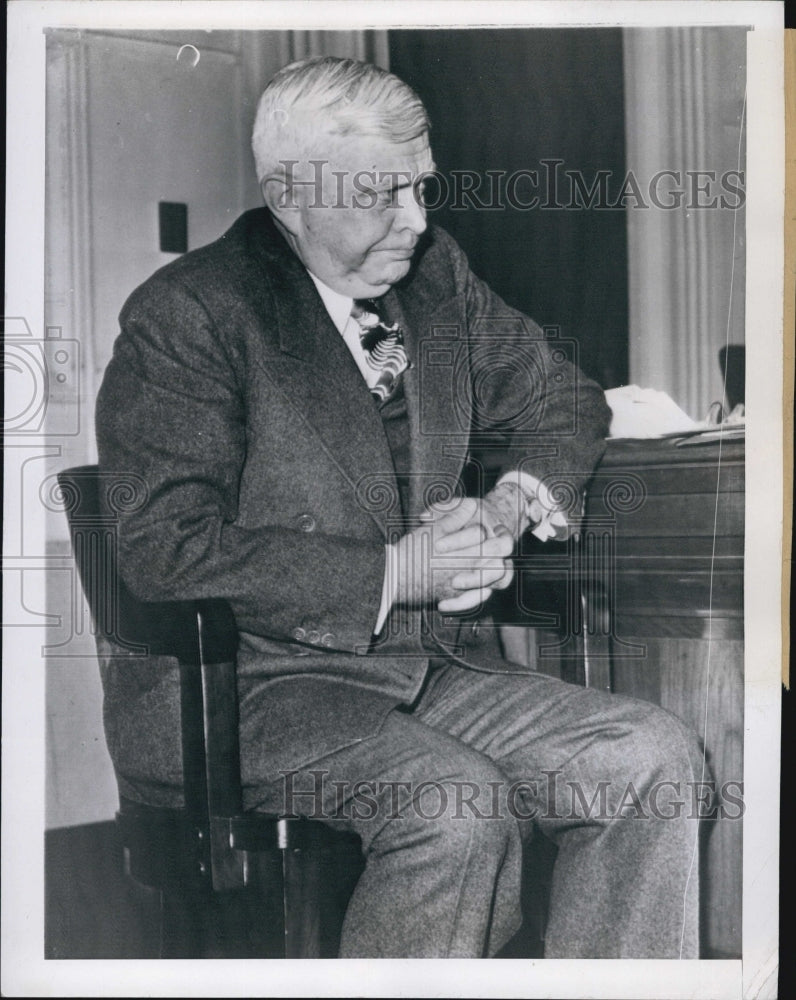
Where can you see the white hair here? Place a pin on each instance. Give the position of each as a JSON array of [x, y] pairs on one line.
[[326, 96]]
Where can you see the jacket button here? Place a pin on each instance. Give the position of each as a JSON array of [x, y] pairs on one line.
[[476, 628], [306, 522], [328, 639], [299, 634], [313, 637]]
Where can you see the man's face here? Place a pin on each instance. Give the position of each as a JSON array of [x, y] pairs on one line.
[[359, 237]]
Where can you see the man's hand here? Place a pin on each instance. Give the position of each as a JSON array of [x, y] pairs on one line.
[[452, 559], [504, 509]]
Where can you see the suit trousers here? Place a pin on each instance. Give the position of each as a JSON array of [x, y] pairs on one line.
[[444, 795]]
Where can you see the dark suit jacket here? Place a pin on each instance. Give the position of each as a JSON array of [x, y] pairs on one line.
[[270, 481]]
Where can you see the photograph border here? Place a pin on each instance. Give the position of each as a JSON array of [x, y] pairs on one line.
[[25, 971]]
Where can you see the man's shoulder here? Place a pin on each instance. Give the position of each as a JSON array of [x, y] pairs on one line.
[[222, 268]]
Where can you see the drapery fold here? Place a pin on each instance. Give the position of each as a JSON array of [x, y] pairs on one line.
[[684, 114]]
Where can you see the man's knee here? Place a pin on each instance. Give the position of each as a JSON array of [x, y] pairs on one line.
[[461, 809], [643, 759], [668, 747], [662, 765]]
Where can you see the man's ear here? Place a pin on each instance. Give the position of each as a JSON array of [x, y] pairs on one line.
[[281, 201]]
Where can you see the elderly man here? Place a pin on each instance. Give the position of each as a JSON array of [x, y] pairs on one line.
[[300, 399]]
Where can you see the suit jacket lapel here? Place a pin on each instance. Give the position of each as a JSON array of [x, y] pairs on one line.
[[437, 387], [316, 371]]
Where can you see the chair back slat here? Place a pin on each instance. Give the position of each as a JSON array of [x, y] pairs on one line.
[[93, 509]]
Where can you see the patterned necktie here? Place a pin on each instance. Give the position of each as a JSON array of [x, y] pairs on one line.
[[383, 346]]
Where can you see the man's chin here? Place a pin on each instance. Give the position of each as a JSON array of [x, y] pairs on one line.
[[388, 278]]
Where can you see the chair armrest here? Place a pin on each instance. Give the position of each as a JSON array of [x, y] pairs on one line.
[[210, 740], [209, 714], [218, 631]]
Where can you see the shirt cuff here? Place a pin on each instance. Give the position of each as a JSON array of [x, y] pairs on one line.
[[388, 588], [548, 519]]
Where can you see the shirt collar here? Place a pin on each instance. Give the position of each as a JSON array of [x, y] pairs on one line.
[[338, 306]]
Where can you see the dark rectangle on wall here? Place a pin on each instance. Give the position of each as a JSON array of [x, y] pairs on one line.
[[173, 226], [507, 103]]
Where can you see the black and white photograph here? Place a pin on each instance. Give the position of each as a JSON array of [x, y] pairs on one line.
[[386, 573]]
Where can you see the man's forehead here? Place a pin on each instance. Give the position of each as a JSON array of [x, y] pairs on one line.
[[371, 152]]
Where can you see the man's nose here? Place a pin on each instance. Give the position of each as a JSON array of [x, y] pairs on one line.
[[411, 213]]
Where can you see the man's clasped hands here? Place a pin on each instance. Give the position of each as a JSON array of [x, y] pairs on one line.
[[460, 552]]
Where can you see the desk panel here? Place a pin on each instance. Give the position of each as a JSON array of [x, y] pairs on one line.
[[676, 589]]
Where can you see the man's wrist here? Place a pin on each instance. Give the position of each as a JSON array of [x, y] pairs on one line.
[[511, 506], [543, 516]]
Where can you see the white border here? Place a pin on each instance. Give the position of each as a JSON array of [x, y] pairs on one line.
[[25, 971]]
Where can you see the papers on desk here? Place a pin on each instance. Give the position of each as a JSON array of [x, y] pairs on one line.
[[714, 432], [651, 413], [645, 413]]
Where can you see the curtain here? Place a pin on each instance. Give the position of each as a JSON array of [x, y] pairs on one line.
[[367, 46], [684, 115], [508, 102]]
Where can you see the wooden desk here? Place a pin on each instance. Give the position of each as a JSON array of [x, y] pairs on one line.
[[678, 519], [677, 592], [649, 603]]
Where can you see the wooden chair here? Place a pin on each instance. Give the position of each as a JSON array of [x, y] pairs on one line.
[[224, 882]]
